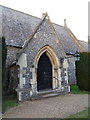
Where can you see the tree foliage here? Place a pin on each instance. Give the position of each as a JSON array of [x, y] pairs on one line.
[[83, 71]]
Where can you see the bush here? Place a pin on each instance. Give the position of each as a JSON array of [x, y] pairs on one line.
[[74, 89], [82, 71]]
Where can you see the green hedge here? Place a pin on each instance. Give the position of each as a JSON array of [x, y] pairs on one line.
[[83, 71]]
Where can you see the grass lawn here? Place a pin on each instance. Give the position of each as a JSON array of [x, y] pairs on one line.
[[75, 90], [9, 100], [8, 103], [82, 114]]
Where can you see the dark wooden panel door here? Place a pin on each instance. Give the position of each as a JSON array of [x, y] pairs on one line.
[[44, 73]]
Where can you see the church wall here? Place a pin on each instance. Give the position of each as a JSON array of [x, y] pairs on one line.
[[44, 36], [71, 71], [23, 88], [17, 28], [11, 57], [11, 54]]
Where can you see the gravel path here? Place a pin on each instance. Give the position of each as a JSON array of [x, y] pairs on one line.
[[54, 107]]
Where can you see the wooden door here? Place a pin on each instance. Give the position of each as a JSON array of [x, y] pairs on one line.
[[44, 73]]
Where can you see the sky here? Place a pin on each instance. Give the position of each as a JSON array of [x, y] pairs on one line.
[[74, 11]]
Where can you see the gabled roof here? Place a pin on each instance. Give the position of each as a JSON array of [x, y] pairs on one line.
[[18, 27], [68, 40], [75, 40], [35, 31]]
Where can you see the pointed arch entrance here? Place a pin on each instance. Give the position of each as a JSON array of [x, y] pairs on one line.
[[46, 72]]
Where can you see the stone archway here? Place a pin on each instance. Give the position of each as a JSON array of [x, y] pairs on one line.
[[56, 73]]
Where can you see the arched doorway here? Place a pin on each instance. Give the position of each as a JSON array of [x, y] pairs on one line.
[[44, 73], [45, 61]]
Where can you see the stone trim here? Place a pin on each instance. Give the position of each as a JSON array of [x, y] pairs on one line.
[[22, 62], [19, 96]]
